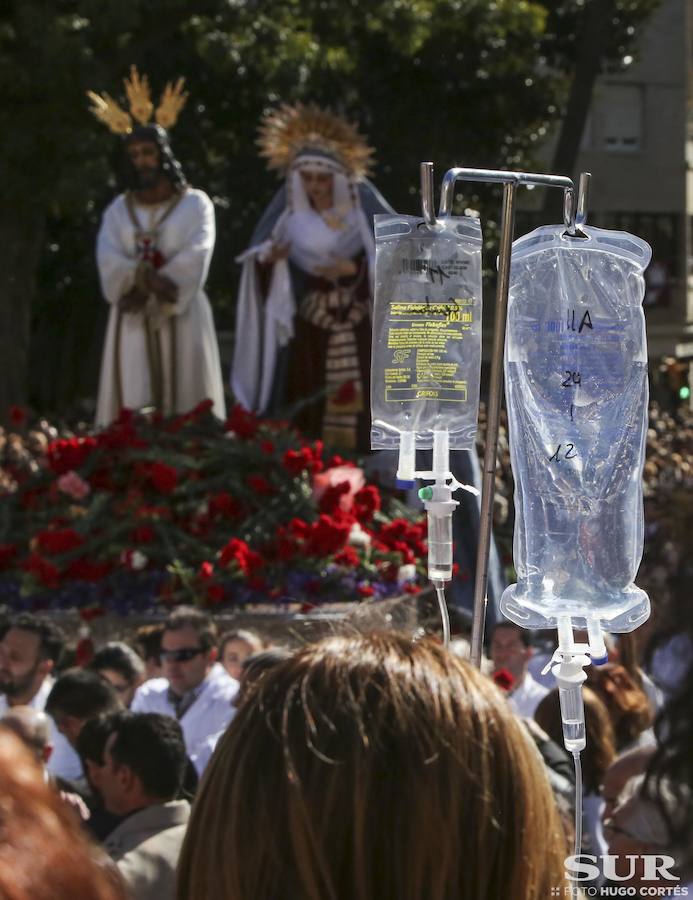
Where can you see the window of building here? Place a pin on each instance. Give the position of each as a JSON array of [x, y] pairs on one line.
[[622, 117]]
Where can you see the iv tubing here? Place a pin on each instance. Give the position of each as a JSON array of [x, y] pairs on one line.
[[442, 605], [578, 803]]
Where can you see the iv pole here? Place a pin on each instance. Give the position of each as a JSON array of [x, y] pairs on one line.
[[574, 216]]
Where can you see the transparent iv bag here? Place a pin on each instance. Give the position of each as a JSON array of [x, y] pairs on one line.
[[576, 391]]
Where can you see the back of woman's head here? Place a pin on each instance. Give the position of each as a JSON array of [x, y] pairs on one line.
[[628, 706], [372, 768], [44, 854]]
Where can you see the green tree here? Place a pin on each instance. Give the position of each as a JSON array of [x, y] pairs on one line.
[[456, 81]]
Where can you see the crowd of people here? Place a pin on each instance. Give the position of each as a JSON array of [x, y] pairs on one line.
[[186, 764]]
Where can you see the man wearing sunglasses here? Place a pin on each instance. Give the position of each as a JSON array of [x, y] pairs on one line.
[[194, 690]]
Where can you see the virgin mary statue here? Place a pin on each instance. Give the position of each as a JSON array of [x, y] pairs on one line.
[[303, 319]]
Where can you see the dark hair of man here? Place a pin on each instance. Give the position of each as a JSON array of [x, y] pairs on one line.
[[51, 640], [148, 640], [151, 745], [168, 164], [81, 694], [120, 658], [187, 616], [93, 737], [524, 635]]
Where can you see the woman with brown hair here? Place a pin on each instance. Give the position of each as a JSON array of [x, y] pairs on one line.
[[373, 768], [44, 854], [628, 705]]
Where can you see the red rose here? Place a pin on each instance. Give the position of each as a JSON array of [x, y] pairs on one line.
[[365, 590], [163, 478], [52, 542], [267, 447], [206, 570]]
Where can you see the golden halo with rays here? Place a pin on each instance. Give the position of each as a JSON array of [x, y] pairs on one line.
[[287, 131], [118, 121]]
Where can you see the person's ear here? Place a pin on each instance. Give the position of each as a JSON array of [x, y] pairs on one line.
[[126, 778]]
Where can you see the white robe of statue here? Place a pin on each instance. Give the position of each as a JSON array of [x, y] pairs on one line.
[[186, 240]]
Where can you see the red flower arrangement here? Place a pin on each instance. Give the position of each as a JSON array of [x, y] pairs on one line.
[[246, 511]]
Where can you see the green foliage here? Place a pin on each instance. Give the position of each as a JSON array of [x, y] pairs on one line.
[[456, 81]]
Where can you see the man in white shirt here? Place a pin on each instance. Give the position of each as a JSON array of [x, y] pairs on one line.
[[195, 690], [29, 651], [511, 650]]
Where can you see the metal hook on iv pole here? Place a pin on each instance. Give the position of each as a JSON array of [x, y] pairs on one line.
[[427, 194], [575, 211]]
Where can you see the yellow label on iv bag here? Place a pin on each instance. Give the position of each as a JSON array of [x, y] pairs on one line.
[[418, 343]]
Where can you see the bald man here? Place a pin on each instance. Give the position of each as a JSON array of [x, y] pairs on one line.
[[33, 728]]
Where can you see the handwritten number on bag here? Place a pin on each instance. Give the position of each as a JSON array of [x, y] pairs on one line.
[[569, 453]]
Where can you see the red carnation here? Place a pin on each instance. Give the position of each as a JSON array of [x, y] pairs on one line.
[[504, 679], [347, 556], [163, 478], [215, 594], [332, 496], [45, 571], [86, 570], [366, 503], [70, 453], [143, 534], [60, 541], [259, 484], [243, 423], [206, 570], [328, 535], [223, 504], [237, 551], [8, 552]]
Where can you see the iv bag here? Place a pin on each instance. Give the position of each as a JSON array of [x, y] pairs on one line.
[[576, 391], [426, 356]]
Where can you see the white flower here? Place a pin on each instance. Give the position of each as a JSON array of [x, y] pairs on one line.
[[358, 537], [138, 560], [406, 573]]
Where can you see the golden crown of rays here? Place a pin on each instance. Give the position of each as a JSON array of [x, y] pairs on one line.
[[117, 120], [289, 130]]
